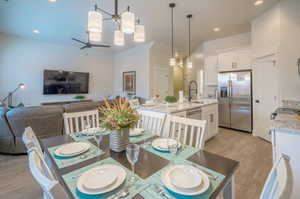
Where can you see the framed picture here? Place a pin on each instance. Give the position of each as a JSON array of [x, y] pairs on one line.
[[129, 82]]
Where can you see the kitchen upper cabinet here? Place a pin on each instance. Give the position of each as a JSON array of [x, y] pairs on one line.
[[211, 70], [227, 61], [243, 59], [235, 60]]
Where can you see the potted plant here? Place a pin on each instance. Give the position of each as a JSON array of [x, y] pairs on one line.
[[118, 117]]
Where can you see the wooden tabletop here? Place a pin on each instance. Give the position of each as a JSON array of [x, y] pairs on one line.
[[148, 163]]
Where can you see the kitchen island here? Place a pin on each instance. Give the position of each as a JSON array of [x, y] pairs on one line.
[[285, 129], [203, 109]]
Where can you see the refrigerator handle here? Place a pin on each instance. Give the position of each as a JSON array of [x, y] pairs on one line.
[[229, 89]]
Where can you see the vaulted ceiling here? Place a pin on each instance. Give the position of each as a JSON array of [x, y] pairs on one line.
[[59, 21]]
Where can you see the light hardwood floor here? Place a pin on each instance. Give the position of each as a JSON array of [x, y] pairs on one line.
[[254, 155]]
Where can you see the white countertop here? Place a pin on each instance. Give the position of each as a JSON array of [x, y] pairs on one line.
[[174, 108], [285, 120]]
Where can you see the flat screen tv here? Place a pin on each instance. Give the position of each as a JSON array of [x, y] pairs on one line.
[[65, 82]]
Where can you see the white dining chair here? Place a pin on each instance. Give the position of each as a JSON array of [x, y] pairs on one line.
[[151, 121], [52, 189], [279, 184], [30, 140], [188, 131], [75, 122]]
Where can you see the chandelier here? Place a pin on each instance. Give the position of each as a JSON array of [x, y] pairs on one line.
[[126, 24]]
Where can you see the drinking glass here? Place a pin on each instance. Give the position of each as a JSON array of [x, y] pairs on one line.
[[173, 145], [132, 153], [98, 138]]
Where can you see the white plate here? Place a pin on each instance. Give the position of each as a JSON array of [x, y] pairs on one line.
[[161, 144], [107, 175], [136, 132], [72, 149], [165, 178], [92, 131], [185, 177], [119, 171]]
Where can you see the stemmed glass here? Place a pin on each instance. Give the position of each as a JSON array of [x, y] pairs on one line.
[[132, 153], [173, 145], [98, 138]]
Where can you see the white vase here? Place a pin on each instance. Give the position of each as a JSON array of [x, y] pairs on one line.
[[118, 140]]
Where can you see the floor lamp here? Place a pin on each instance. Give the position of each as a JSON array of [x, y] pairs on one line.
[[10, 94]]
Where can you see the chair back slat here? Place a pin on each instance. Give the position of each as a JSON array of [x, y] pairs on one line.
[[151, 121], [279, 184], [188, 131], [44, 177], [75, 122]]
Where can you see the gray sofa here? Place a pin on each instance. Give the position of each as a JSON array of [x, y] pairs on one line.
[[46, 121]]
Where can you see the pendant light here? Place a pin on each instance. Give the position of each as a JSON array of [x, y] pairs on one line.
[[119, 39], [128, 22], [139, 34], [95, 21], [172, 59], [189, 60]]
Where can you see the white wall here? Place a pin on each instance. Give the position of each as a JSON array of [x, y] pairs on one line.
[[23, 60], [265, 32], [134, 59], [277, 32], [159, 58], [228, 43], [289, 50]]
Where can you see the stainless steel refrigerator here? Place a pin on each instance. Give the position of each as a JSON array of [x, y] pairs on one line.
[[235, 100]]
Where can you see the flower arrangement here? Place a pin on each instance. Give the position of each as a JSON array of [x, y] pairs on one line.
[[118, 115]]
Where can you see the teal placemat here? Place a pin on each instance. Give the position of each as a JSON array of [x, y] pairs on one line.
[[62, 162], [72, 177], [153, 180], [184, 152], [140, 138]]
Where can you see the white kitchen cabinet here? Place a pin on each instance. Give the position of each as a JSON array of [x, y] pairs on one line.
[[227, 61], [243, 59], [235, 60], [286, 142], [211, 70], [210, 114]]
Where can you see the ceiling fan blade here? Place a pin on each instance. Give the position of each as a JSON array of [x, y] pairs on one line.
[[99, 45], [78, 41], [83, 47]]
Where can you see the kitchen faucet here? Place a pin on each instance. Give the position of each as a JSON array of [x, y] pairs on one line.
[[191, 89]]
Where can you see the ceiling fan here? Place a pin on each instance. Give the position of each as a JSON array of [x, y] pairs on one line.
[[88, 44]]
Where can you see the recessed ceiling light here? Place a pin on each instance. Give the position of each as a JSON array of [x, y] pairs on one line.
[[36, 31], [52, 0], [216, 29], [258, 2]]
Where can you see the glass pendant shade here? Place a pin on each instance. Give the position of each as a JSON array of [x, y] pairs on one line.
[[119, 38], [172, 61], [95, 36], [189, 63], [128, 22], [95, 21], [139, 34]]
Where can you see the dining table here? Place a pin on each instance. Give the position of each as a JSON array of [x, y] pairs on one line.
[[149, 164]]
